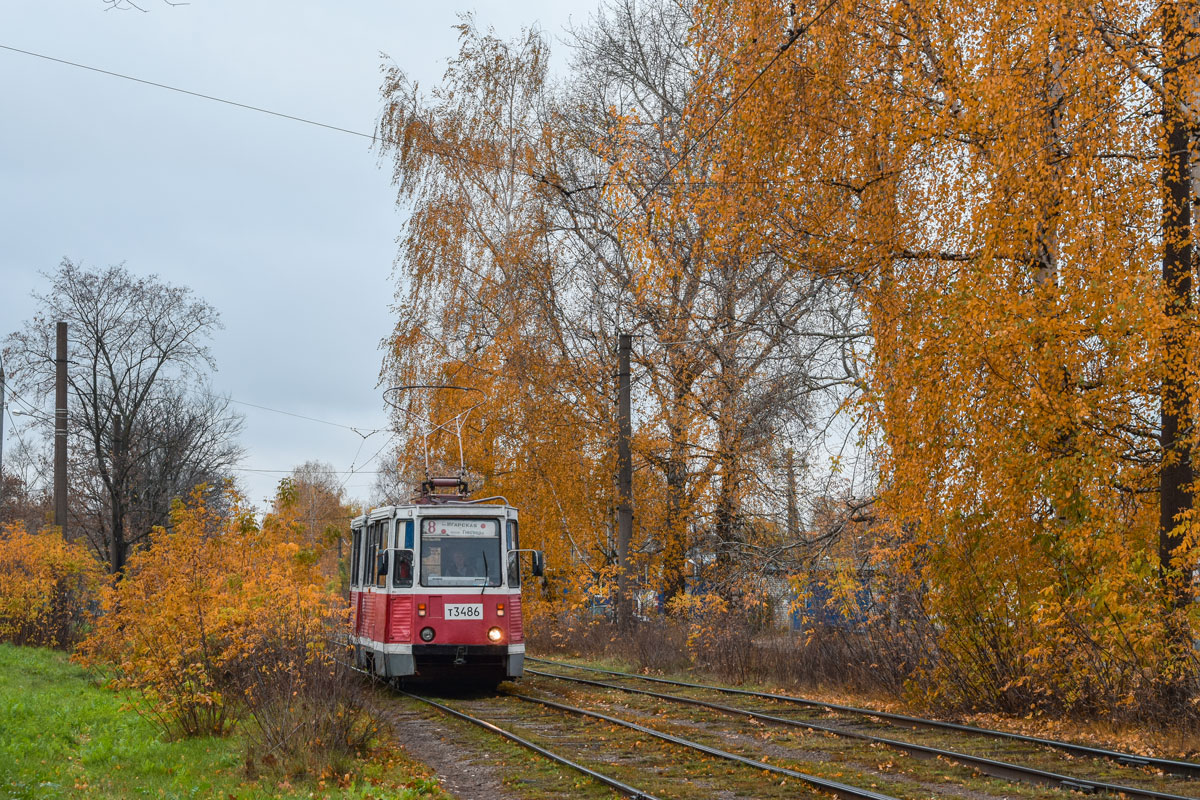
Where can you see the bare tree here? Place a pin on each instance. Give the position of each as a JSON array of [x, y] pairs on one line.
[[532, 245], [143, 426], [740, 346], [130, 5]]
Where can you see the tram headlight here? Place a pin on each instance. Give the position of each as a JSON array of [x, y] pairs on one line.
[[426, 634], [495, 634]]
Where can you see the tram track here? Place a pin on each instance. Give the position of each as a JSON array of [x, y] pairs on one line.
[[1184, 769], [633, 768], [996, 768], [770, 767], [823, 787], [838, 789], [607, 780]]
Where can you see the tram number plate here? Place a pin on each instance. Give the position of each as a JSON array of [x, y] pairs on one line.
[[464, 611]]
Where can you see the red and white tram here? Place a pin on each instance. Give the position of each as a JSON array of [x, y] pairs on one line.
[[435, 587]]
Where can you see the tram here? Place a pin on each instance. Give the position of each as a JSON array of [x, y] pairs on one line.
[[435, 587]]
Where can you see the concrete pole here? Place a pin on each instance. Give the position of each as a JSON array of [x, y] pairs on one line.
[[60, 430], [1, 426], [624, 482]]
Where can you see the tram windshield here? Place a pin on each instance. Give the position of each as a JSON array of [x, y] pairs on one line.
[[460, 552]]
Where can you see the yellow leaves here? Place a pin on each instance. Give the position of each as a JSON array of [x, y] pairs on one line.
[[196, 606], [46, 586]]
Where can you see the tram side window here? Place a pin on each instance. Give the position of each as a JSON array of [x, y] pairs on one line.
[[402, 570], [366, 552], [355, 556], [368, 563], [514, 559], [380, 548]]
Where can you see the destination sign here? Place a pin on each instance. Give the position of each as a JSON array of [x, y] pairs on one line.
[[461, 527]]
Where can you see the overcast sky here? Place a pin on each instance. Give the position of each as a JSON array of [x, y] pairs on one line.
[[288, 229]]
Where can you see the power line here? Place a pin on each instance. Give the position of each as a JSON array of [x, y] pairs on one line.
[[290, 471], [368, 461], [30, 410], [445, 151], [448, 151], [365, 433], [188, 92], [16, 429], [359, 431]]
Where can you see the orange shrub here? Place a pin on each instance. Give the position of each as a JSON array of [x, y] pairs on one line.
[[47, 586], [211, 609]]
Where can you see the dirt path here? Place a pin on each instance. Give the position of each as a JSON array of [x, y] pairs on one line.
[[465, 770]]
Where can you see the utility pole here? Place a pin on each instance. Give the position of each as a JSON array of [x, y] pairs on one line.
[[624, 482], [793, 513], [60, 430], [1, 428]]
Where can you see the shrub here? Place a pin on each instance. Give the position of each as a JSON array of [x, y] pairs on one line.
[[304, 709], [718, 634], [47, 587], [216, 616]]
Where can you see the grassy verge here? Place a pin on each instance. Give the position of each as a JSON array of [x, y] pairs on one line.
[[62, 736]]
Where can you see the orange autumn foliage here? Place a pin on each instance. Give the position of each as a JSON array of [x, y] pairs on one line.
[[473, 313], [214, 608], [47, 587], [978, 208], [993, 183], [517, 286]]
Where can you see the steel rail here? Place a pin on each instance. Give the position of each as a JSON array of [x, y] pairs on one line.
[[624, 788], [1184, 768], [989, 766], [631, 791], [840, 790]]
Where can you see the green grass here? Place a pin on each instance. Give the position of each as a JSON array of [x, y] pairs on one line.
[[62, 736]]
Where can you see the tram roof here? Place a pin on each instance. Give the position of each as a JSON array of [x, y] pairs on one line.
[[466, 507]]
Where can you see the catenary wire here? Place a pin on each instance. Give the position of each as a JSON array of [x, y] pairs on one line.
[[363, 432], [447, 151], [33, 411], [188, 92]]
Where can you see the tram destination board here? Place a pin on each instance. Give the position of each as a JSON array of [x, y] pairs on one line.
[[460, 527]]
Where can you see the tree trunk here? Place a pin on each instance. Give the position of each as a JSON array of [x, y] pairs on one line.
[[728, 510], [675, 545], [116, 544], [1176, 477]]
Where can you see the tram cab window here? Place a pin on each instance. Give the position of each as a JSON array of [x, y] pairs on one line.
[[514, 559], [402, 569], [460, 552]]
